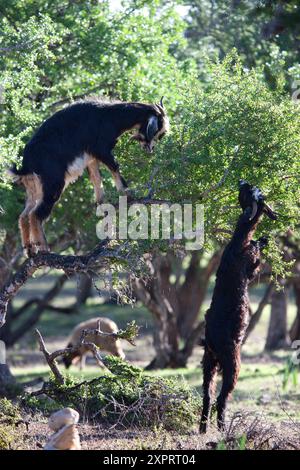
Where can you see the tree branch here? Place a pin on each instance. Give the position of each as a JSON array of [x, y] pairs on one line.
[[255, 317], [70, 264], [223, 178], [42, 302], [49, 358], [128, 334]]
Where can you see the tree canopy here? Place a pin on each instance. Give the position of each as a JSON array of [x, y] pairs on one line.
[[226, 124]]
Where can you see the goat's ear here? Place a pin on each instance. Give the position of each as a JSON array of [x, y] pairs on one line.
[[152, 127]]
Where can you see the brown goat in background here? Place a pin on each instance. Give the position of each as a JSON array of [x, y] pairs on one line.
[[227, 317], [108, 344]]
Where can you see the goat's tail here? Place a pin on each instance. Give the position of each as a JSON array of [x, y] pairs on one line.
[[16, 174]]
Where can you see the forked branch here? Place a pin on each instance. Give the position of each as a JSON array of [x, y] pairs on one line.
[[128, 334]]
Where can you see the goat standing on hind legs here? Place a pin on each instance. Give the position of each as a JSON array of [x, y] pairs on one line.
[[79, 136], [227, 317]]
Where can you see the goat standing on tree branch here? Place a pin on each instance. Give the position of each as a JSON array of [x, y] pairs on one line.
[[79, 136], [227, 317]]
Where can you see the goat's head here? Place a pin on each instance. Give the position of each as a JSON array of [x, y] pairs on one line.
[[252, 201], [69, 358], [154, 127]]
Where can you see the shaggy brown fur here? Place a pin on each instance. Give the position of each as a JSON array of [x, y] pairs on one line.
[[227, 317]]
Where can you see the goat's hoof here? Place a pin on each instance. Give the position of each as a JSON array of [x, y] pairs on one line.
[[203, 428], [221, 426], [129, 193], [28, 251], [263, 242], [40, 248], [98, 203]]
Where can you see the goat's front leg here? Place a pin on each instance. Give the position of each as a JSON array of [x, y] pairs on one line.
[[263, 242], [82, 362], [113, 166], [96, 180]]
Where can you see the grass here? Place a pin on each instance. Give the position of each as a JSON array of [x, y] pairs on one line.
[[259, 388]]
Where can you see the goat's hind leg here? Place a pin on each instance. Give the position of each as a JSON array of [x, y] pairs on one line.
[[230, 371], [38, 240], [24, 223], [209, 372], [42, 210], [24, 227]]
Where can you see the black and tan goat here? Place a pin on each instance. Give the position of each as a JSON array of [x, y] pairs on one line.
[[79, 136], [227, 317]]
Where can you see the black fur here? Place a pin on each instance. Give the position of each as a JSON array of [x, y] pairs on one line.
[[227, 317], [85, 127]]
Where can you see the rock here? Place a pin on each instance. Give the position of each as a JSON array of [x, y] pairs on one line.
[[66, 436]]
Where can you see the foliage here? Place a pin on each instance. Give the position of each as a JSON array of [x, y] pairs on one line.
[[9, 412], [233, 128], [265, 33], [222, 129], [10, 416], [290, 372], [130, 333], [231, 112], [126, 397], [55, 52]]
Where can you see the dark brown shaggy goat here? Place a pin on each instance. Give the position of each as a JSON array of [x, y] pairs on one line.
[[227, 317]]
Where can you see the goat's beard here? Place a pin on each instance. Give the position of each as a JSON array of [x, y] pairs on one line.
[[147, 146]]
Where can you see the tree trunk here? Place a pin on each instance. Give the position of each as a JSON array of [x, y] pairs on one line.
[[256, 316], [11, 335], [6, 378], [154, 294], [84, 288], [7, 381], [277, 337], [192, 293], [175, 306], [295, 328]]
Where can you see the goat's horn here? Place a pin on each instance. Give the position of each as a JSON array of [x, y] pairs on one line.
[[161, 102], [254, 210]]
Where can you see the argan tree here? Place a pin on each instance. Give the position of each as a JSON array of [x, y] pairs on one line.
[[231, 126]]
